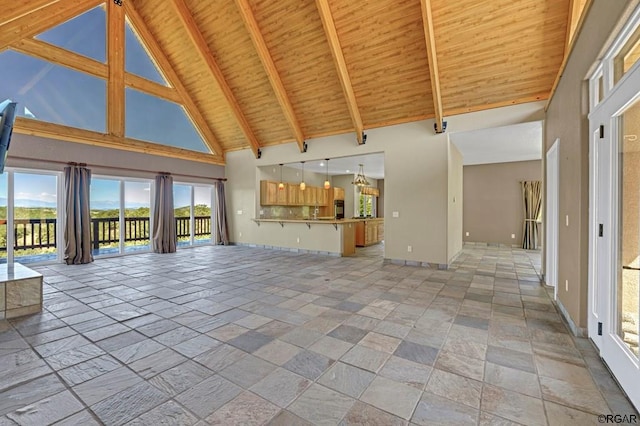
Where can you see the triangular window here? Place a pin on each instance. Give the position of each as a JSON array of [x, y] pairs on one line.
[[85, 34], [137, 58], [153, 119]]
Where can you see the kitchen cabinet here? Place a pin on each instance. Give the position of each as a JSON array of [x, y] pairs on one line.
[[338, 193], [369, 232], [292, 195], [295, 197], [310, 196], [270, 195]]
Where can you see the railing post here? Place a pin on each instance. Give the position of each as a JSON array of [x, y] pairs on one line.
[[96, 236]]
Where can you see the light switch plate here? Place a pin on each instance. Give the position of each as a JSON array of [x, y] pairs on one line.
[[239, 211], [396, 214]]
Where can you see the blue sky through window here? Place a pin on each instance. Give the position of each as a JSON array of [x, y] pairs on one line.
[[85, 34], [153, 119], [33, 190], [53, 93], [137, 60]]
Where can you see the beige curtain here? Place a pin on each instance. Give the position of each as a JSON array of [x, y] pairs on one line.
[[164, 222], [221, 228], [77, 224], [532, 197]]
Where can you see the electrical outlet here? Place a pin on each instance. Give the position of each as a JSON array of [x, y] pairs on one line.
[[239, 211], [298, 240], [466, 233], [409, 249], [566, 285], [513, 236], [395, 214], [566, 220], [240, 234]]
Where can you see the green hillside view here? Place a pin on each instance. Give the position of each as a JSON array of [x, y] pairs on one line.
[[136, 232]]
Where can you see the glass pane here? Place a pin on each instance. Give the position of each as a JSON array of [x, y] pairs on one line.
[[105, 216], [137, 207], [53, 93], [34, 217], [627, 56], [85, 34], [202, 214], [600, 88], [182, 212], [156, 120], [629, 229], [137, 59], [3, 218]]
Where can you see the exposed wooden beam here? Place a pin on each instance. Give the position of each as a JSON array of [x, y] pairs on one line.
[[11, 9], [341, 66], [40, 20], [271, 70], [172, 77], [56, 55], [115, 63], [205, 54], [429, 36], [71, 134], [151, 87]]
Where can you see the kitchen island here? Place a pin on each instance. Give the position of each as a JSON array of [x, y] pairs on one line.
[[326, 236]]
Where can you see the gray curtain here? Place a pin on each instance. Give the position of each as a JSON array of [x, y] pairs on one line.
[[532, 197], [221, 228], [164, 222], [77, 224]]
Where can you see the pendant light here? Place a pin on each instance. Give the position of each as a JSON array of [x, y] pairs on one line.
[[360, 179], [281, 184], [303, 185], [327, 184]]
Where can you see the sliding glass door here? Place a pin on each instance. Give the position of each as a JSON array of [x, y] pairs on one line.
[[192, 209]]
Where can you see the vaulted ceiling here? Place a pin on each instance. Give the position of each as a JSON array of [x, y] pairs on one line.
[[261, 72]]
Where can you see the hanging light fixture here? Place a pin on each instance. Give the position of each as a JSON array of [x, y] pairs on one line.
[[303, 185], [360, 179], [327, 184], [281, 184]]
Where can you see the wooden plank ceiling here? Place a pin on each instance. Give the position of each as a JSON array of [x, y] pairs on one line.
[[264, 72]]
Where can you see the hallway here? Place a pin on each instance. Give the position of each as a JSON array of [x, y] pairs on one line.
[[238, 335]]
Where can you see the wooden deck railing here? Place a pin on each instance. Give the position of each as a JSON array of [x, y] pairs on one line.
[[42, 233]]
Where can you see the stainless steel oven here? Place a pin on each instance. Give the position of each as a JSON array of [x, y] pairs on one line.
[[338, 208]]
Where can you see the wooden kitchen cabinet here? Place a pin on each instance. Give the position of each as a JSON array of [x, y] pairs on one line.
[[270, 195], [310, 196], [369, 232], [338, 193], [294, 194], [323, 197]]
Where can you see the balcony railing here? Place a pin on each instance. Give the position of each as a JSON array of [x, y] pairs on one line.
[[41, 233]]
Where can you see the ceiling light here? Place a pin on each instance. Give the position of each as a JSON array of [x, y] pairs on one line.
[[303, 185], [327, 184], [281, 184], [360, 179]]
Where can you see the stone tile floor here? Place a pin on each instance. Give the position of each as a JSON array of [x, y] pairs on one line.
[[238, 335]]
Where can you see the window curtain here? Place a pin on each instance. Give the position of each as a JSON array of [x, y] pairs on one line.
[[164, 222], [532, 197], [222, 230], [77, 224]]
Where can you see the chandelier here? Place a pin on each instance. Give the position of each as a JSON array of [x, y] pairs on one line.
[[360, 179]]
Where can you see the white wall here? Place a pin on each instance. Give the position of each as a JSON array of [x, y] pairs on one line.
[[416, 178], [34, 152], [455, 203]]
